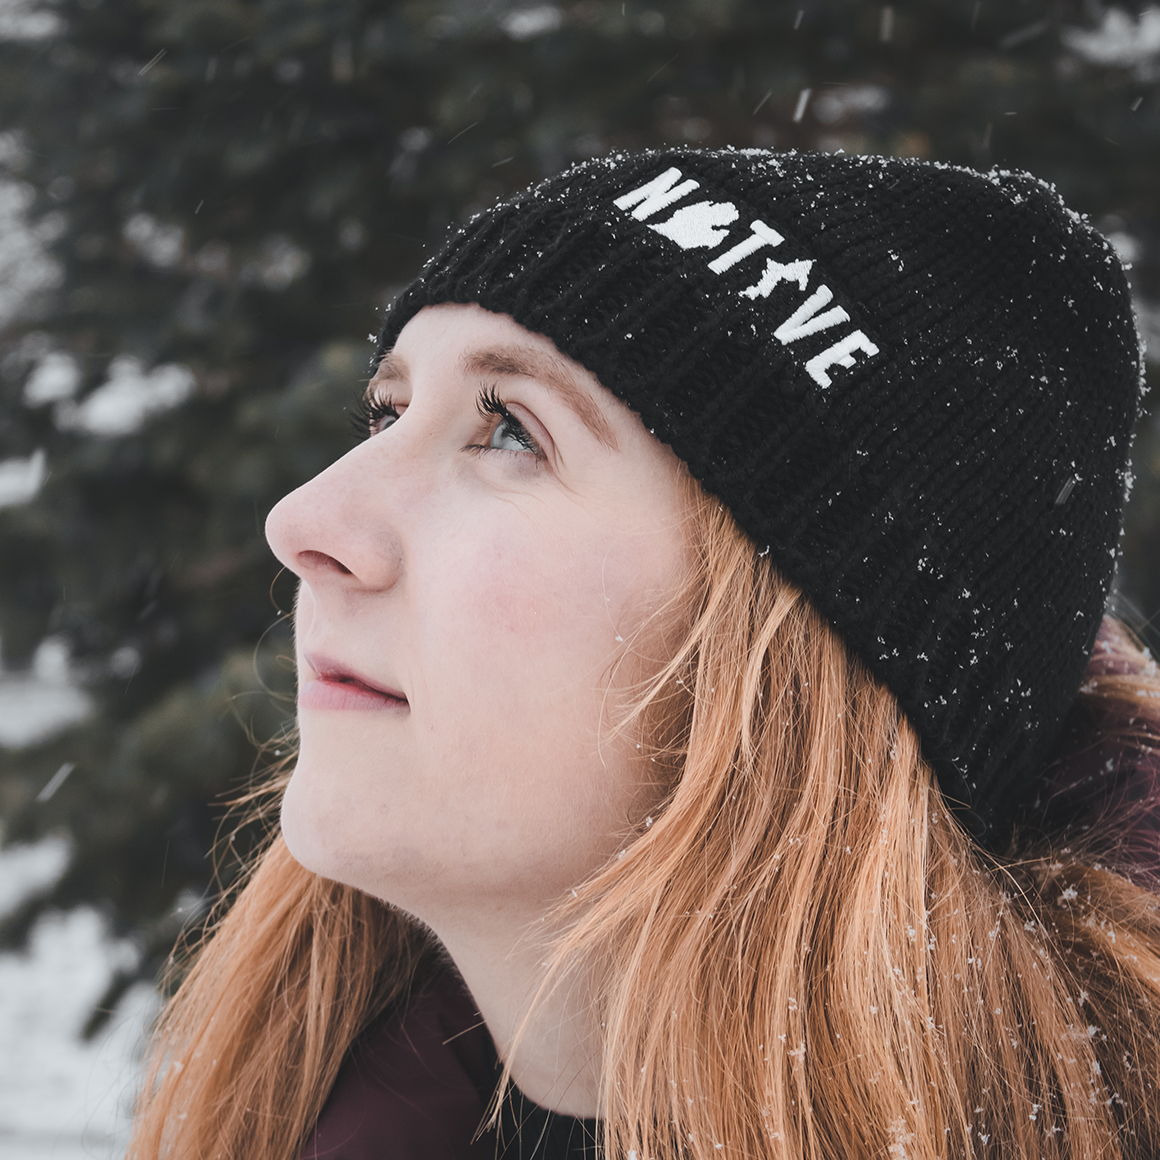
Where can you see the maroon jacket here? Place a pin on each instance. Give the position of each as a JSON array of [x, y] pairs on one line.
[[416, 1085]]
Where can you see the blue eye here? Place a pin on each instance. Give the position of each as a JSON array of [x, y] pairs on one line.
[[509, 434]]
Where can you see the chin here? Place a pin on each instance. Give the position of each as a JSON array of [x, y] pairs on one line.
[[322, 838], [306, 831]]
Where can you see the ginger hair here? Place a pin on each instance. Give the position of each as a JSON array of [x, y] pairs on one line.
[[800, 953]]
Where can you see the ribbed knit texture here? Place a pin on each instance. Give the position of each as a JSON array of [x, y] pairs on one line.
[[948, 489]]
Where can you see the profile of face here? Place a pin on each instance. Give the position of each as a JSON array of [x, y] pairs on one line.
[[471, 575]]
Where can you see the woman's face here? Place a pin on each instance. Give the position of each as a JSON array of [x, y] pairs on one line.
[[470, 575]]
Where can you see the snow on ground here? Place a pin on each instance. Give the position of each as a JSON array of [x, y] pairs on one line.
[[61, 1099]]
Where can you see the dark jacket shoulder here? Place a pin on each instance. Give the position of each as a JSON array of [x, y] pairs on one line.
[[416, 1086]]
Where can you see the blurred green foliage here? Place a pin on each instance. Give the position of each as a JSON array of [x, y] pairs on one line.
[[239, 186]]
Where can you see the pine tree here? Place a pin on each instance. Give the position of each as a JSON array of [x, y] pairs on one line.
[[237, 188]]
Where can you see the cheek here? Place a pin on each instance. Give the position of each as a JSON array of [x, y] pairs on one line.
[[534, 588], [530, 608], [534, 611], [522, 657]]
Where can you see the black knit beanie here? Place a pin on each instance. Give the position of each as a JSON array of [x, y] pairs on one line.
[[912, 383]]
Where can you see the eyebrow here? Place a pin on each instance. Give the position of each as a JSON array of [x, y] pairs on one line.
[[518, 362]]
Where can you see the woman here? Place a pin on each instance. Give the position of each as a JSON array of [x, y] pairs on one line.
[[700, 722]]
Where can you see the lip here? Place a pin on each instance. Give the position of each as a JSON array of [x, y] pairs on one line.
[[336, 686]]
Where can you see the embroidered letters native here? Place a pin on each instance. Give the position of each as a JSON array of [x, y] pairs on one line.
[[704, 225]]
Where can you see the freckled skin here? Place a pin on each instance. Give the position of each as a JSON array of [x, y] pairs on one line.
[[489, 588]]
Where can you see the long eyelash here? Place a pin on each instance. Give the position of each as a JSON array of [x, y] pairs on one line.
[[490, 405], [369, 412]]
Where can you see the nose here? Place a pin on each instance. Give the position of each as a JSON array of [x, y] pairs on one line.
[[337, 529]]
